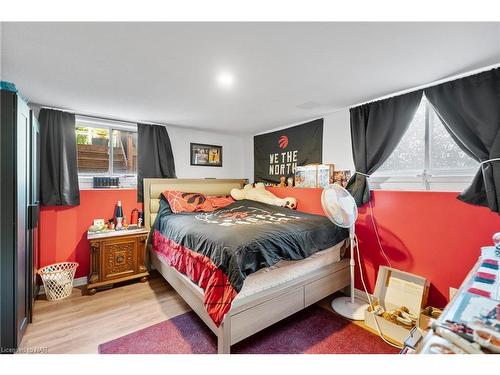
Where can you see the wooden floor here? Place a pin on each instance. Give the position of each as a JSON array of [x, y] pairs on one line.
[[80, 323]]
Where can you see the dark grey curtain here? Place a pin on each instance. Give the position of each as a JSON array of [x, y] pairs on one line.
[[154, 155], [58, 159], [376, 129], [470, 111]]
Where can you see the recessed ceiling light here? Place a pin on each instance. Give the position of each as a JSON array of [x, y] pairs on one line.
[[225, 79]]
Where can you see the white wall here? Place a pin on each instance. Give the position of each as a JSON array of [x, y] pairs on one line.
[[237, 150], [249, 160], [235, 153], [337, 147], [336, 141]]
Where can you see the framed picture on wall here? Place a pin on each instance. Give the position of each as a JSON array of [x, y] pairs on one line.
[[206, 155]]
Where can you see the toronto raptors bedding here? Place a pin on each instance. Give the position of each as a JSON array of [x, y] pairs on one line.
[[217, 250]]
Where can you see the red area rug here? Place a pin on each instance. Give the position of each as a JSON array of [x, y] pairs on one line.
[[313, 330]]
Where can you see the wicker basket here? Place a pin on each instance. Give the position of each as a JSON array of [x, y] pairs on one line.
[[58, 279]]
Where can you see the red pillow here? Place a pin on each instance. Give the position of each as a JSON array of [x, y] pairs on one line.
[[195, 202], [213, 202], [220, 201]]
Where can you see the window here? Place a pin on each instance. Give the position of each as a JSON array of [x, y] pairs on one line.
[[106, 148], [426, 158]]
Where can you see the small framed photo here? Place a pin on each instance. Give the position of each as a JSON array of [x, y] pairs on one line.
[[206, 155]]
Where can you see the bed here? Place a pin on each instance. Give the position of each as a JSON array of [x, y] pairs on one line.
[[267, 295]]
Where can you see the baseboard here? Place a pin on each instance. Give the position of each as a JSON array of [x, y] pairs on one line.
[[76, 282], [360, 294]]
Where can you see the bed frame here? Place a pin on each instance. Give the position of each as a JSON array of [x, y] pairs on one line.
[[252, 313]]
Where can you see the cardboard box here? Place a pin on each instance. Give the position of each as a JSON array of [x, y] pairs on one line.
[[394, 289]]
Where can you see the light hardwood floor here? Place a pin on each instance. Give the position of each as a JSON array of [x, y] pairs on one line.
[[80, 323]]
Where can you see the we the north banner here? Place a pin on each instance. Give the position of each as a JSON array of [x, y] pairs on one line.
[[277, 154]]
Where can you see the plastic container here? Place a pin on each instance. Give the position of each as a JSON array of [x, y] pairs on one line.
[[58, 279]]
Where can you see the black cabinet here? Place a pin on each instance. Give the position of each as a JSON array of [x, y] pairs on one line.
[[19, 217]]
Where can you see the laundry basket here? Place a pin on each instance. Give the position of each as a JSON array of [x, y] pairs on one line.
[[58, 279]]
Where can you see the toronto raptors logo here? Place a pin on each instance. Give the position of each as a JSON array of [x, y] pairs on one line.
[[283, 141], [245, 216]]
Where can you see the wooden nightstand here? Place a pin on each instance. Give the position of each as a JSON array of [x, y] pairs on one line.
[[117, 256]]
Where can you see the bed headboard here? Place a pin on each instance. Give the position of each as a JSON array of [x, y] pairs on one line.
[[153, 187]]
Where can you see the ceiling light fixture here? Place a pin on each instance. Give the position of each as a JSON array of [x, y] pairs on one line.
[[225, 80]]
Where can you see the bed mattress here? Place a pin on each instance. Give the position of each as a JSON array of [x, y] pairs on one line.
[[285, 271], [282, 273]]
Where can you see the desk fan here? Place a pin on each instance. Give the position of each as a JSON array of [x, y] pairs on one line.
[[341, 209]]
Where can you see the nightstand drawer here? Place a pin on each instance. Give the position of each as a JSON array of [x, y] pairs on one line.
[[118, 258]]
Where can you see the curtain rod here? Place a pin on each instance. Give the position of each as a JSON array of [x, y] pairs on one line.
[[426, 85], [169, 126], [98, 117]]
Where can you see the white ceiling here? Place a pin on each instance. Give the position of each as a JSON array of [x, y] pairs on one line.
[[284, 72]]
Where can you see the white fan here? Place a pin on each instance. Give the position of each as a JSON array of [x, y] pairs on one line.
[[341, 209]]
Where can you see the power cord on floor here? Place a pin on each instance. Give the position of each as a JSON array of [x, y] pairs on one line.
[[356, 245]]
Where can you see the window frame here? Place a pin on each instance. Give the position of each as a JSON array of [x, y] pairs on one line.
[[426, 179], [127, 180]]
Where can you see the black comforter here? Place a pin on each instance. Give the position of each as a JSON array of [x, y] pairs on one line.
[[247, 235], [240, 239]]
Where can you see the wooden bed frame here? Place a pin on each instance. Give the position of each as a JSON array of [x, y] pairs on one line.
[[255, 312]]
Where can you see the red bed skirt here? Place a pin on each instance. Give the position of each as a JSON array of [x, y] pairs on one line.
[[219, 294]]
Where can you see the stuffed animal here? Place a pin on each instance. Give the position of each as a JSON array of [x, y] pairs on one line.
[[260, 194], [282, 181]]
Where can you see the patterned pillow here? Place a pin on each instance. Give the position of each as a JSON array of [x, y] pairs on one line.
[[164, 205], [185, 202], [195, 202]]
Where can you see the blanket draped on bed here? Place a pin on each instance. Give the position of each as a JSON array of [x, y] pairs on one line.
[[218, 250]]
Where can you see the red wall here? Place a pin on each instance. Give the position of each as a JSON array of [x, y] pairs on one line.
[[431, 234], [63, 230]]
